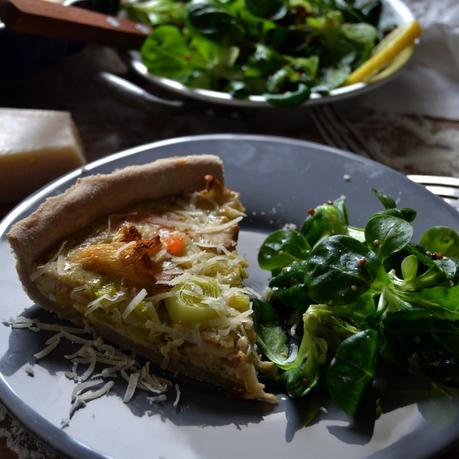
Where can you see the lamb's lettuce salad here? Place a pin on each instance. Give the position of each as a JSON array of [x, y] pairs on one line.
[[282, 49], [343, 300]]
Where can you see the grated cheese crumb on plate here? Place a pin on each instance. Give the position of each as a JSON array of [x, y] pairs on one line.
[[131, 387], [177, 397], [49, 348], [94, 352], [157, 398]]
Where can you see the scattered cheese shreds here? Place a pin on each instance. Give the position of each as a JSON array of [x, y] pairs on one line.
[[48, 349], [157, 398], [53, 338], [80, 400], [130, 390], [79, 388], [177, 397], [37, 325], [92, 395], [92, 364], [93, 352]]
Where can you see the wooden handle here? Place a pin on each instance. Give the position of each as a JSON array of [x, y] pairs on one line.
[[40, 17]]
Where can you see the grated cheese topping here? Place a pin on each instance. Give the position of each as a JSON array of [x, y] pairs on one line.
[[205, 223], [134, 302]]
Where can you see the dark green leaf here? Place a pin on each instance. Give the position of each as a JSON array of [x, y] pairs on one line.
[[359, 10], [387, 201], [405, 213], [294, 297], [435, 342], [282, 248], [290, 275], [387, 234], [370, 9], [263, 61], [340, 269], [290, 98], [361, 313], [271, 337], [352, 369], [263, 312], [442, 302], [271, 9], [213, 20], [415, 321], [437, 356]]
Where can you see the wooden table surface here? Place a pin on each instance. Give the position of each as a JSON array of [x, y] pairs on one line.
[[110, 123]]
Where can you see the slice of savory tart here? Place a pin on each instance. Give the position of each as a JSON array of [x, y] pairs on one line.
[[147, 257]]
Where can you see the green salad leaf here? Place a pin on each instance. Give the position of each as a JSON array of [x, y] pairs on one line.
[[168, 52], [442, 240], [366, 296], [281, 248], [352, 369]]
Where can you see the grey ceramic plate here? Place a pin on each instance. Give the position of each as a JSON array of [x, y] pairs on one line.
[[395, 12], [278, 179]]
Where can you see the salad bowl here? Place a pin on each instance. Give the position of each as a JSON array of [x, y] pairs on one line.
[[394, 13]]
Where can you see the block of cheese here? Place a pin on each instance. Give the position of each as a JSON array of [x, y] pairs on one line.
[[36, 146]]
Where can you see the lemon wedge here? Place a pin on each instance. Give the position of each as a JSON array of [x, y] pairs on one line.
[[399, 61], [391, 48]]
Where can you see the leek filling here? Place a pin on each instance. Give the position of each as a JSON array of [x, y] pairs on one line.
[[163, 274]]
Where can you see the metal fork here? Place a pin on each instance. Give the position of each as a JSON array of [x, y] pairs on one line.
[[338, 132]]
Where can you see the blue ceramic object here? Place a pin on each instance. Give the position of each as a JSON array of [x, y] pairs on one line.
[[278, 180]]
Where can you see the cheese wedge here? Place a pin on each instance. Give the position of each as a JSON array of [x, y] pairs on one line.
[[36, 146]]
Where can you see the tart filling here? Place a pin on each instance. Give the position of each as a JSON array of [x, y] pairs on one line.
[[165, 275]]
